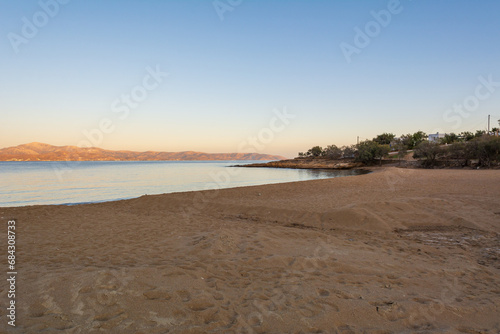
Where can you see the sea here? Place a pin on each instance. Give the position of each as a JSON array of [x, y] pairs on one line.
[[80, 182]]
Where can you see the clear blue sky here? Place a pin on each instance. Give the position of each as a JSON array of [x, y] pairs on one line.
[[226, 76]]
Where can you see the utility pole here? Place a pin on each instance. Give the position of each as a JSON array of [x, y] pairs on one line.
[[358, 137], [489, 125]]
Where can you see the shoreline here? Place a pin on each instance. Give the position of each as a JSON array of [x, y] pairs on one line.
[[350, 164], [73, 161], [307, 164], [409, 250], [364, 170], [215, 183]]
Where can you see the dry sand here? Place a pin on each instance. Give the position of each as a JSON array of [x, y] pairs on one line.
[[394, 251]]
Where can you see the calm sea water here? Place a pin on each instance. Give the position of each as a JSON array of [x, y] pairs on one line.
[[32, 183]]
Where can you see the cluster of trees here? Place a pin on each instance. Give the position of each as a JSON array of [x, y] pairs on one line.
[[330, 152], [485, 149], [410, 141], [465, 136], [369, 151], [465, 146]]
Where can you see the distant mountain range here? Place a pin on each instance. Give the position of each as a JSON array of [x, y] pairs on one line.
[[45, 152]]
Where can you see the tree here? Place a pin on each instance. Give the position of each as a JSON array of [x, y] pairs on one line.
[[369, 151], [402, 150], [479, 133], [486, 149], [332, 152], [407, 140], [457, 151], [429, 151], [316, 151], [384, 139], [419, 137], [412, 140], [349, 151], [492, 149], [449, 138], [382, 151], [466, 135]]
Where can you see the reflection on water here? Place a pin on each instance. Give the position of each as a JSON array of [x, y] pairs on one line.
[[32, 183]]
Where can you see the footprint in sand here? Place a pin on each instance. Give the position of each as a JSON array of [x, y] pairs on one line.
[[184, 295], [155, 294], [200, 304], [323, 293]]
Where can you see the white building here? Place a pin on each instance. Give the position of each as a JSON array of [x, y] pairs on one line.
[[434, 137]]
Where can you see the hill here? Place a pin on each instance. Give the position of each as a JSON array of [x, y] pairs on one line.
[[46, 152]]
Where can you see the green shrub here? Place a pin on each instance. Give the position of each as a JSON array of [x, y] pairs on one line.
[[332, 152], [369, 151], [429, 152]]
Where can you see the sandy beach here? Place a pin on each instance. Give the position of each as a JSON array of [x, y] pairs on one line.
[[394, 251]]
